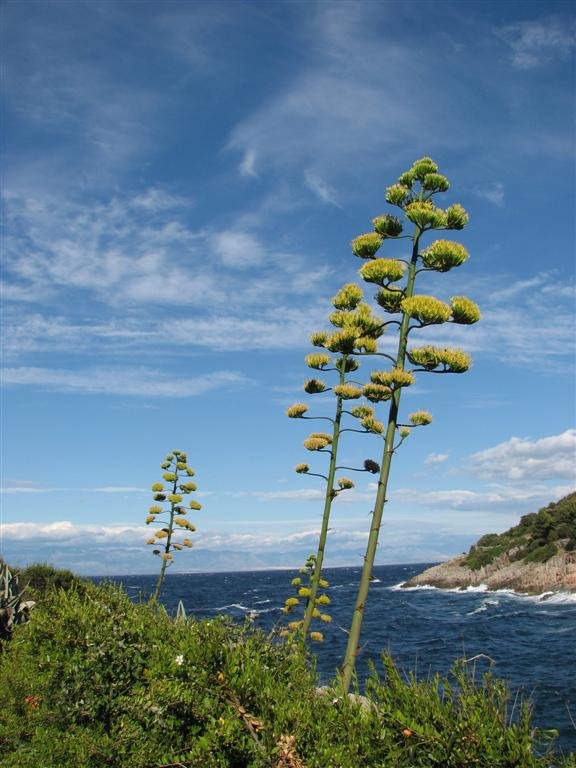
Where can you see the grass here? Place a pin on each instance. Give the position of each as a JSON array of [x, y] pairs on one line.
[[95, 680]]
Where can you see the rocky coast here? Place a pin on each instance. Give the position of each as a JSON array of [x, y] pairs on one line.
[[538, 555], [555, 575]]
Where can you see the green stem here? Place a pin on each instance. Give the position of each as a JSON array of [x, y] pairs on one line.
[[349, 663], [155, 597], [329, 498]]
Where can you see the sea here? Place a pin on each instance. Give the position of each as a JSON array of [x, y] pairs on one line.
[[528, 641]]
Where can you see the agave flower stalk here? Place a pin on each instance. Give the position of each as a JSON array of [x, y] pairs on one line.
[[357, 331], [413, 194], [303, 591], [175, 526]]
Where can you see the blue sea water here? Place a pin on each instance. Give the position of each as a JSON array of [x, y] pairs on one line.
[[530, 640]]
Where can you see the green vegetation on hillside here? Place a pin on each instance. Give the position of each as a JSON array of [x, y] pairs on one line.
[[536, 538], [95, 680]]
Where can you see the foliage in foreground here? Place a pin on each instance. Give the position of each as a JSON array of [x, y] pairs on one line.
[[536, 538], [94, 680]]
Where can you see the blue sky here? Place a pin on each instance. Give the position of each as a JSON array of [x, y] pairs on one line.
[[181, 183]]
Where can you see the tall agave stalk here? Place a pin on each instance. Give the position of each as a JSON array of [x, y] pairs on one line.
[[358, 331], [413, 195], [172, 518]]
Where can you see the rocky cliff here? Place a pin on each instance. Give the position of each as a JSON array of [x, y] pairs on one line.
[[537, 555], [558, 574]]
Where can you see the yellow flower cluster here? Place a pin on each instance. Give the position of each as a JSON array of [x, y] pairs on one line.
[[317, 361], [296, 411], [314, 386], [371, 424], [394, 378], [397, 194], [317, 441], [347, 391], [456, 217], [420, 418], [390, 300], [464, 310], [376, 393], [426, 309], [435, 182], [425, 214], [362, 411], [430, 358], [319, 338], [366, 246], [387, 226], [443, 255], [383, 271], [348, 297]]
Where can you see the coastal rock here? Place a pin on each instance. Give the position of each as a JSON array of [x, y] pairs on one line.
[[558, 574]]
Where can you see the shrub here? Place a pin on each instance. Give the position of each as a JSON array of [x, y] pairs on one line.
[[93, 680]]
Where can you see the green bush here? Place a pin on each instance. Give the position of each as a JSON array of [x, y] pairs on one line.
[[94, 680], [541, 553], [40, 578], [488, 540]]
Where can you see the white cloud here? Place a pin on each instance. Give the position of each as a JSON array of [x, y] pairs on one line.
[[522, 459], [500, 497], [537, 43], [528, 322], [320, 188], [28, 489], [140, 251], [279, 327], [117, 489], [68, 532], [141, 382], [493, 192], [237, 249], [306, 494], [435, 458], [247, 166]]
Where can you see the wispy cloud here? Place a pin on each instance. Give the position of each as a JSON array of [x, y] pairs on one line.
[[436, 458], [238, 249], [540, 42], [141, 249], [141, 382], [527, 322], [29, 487], [493, 192], [247, 165], [503, 498], [320, 188]]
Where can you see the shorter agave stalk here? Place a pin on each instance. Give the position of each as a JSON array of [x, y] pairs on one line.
[[357, 331], [173, 535], [312, 603]]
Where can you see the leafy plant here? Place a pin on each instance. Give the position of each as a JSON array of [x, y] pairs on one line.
[[95, 680], [13, 610], [414, 195], [173, 535]]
